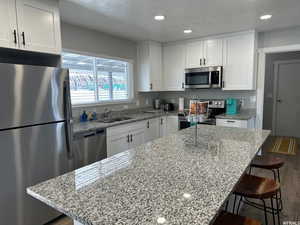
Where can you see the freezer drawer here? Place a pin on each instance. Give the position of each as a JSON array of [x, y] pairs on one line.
[[89, 147], [29, 156]]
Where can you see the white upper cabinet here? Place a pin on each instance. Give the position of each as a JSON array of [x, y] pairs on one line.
[[194, 54], [213, 52], [8, 24], [173, 67], [39, 26], [149, 66], [36, 23], [239, 61], [204, 53]]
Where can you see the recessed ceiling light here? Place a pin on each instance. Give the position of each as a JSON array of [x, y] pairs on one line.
[[266, 17], [187, 31], [159, 17]]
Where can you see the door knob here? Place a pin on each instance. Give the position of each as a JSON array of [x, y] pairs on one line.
[[279, 100]]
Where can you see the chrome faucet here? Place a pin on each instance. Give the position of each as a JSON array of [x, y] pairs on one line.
[[107, 113]]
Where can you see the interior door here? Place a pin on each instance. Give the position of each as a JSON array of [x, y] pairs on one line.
[[39, 26], [8, 24], [287, 95], [29, 156]]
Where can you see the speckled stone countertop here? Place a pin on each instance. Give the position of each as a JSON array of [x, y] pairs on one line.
[[166, 181], [80, 127], [244, 114]]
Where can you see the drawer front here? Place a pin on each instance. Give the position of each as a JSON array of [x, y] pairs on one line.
[[232, 123], [125, 128]]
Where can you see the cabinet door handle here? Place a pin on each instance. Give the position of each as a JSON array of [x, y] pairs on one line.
[[223, 84], [151, 86], [161, 121], [230, 121], [182, 85], [200, 62], [130, 137], [15, 36], [204, 61], [148, 124], [23, 37]]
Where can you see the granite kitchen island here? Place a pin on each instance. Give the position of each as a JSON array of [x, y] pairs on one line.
[[166, 181]]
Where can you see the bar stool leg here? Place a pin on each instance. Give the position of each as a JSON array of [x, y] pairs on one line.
[[265, 210], [233, 209], [226, 206], [273, 214], [278, 209]]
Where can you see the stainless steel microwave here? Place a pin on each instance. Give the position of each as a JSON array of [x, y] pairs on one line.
[[204, 77]]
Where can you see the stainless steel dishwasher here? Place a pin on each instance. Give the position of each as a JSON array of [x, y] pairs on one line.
[[89, 147]]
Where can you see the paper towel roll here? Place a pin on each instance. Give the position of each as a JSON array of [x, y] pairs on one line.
[[181, 104]]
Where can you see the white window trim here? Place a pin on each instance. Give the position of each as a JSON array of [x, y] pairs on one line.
[[131, 92]]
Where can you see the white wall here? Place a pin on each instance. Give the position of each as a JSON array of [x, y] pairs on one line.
[[86, 40], [81, 39], [280, 37]]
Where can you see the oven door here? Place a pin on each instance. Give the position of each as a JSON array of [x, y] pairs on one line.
[[197, 78]]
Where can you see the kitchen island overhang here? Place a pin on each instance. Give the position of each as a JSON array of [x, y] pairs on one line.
[[168, 180]]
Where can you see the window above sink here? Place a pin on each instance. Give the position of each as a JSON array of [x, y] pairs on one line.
[[95, 80]]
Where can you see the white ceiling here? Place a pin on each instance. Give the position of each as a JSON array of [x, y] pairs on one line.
[[133, 19]]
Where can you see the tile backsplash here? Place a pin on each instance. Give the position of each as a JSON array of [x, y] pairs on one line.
[[146, 99], [248, 97]]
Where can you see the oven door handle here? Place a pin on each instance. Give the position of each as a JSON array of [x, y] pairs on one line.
[[209, 79]]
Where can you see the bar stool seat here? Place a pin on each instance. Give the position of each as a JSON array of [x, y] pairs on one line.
[[225, 218], [256, 187], [260, 188], [267, 162]]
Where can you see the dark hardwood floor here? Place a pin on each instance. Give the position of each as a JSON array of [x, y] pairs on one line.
[[290, 185]]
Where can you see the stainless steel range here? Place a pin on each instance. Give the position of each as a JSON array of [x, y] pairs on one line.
[[215, 107]]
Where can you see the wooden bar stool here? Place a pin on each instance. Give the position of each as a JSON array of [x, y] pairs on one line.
[[225, 218], [270, 163], [260, 188]]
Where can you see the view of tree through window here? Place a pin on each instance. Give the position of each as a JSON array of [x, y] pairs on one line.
[[95, 80]]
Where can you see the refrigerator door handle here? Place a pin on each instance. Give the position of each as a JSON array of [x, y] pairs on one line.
[[68, 117]]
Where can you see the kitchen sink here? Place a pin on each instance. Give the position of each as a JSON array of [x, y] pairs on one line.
[[112, 120]]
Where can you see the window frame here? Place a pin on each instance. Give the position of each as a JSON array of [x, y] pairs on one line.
[[130, 80]]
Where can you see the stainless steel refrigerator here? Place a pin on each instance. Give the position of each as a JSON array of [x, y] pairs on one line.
[[35, 138]]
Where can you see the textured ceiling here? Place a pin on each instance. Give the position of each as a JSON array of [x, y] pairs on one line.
[[133, 19]]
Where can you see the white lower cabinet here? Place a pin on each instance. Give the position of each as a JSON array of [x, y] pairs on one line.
[[152, 129], [236, 123], [172, 124], [123, 137]]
